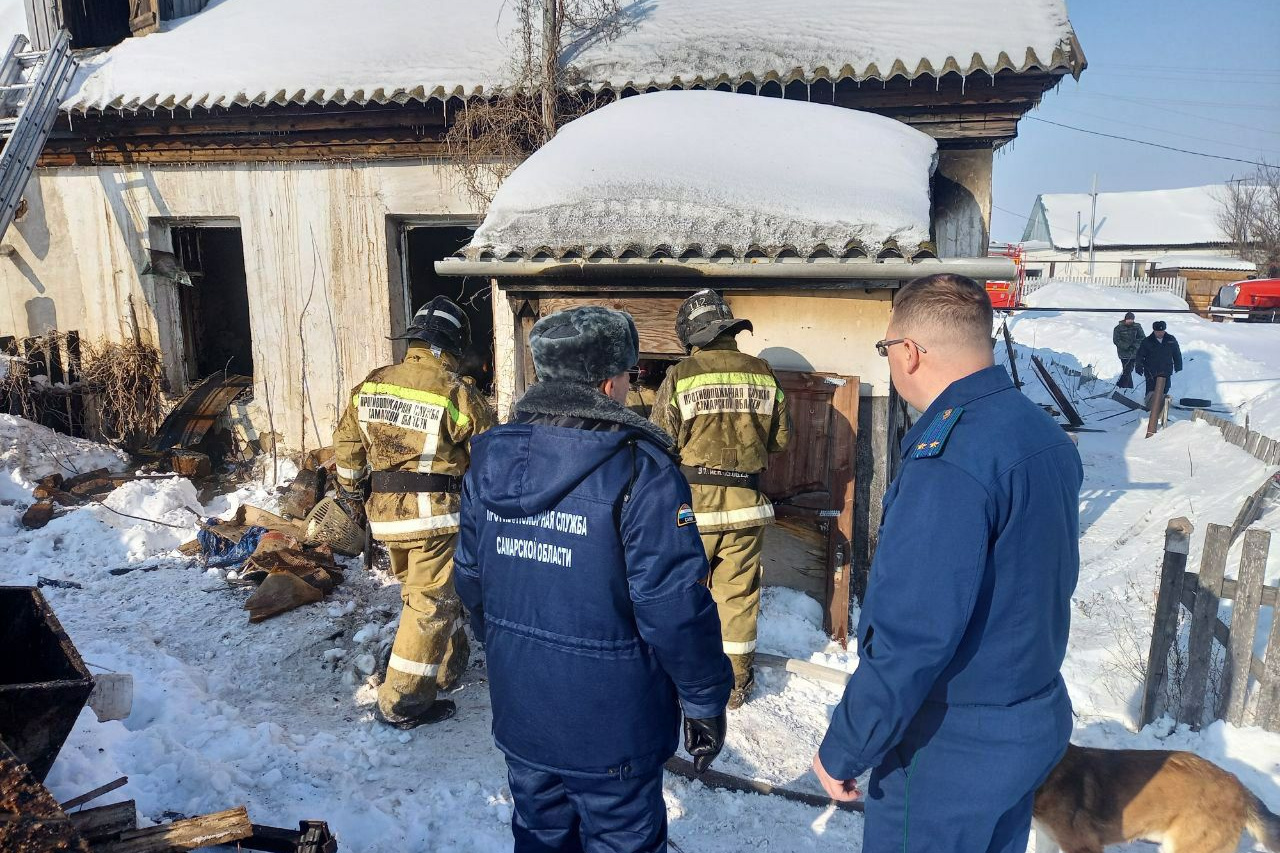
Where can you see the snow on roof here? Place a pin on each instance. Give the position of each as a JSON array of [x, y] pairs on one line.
[[250, 52], [1180, 217], [1202, 262], [706, 170]]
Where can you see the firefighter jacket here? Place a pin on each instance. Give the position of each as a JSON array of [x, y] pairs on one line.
[[727, 413], [968, 607], [1127, 340], [581, 565], [415, 416]]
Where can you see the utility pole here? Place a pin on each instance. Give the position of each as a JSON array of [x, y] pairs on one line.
[[1079, 231], [1093, 221]]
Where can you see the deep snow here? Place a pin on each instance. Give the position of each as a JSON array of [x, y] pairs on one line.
[[277, 715], [654, 170]]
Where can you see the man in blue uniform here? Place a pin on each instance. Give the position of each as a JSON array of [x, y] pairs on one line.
[[958, 704], [580, 562]]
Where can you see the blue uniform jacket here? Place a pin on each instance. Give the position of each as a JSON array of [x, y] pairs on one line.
[[969, 600], [580, 563]]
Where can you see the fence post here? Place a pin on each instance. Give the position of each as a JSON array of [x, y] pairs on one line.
[[1157, 405], [1244, 624], [1177, 542], [1213, 566]]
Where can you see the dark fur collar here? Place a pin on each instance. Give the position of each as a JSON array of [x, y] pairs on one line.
[[577, 400]]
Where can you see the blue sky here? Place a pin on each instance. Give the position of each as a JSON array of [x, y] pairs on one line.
[[1198, 75]]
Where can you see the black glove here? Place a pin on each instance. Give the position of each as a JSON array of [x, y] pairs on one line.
[[703, 739]]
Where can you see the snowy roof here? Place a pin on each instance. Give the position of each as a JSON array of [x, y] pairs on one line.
[[250, 52], [1181, 217], [1202, 262], [653, 173], [13, 21]]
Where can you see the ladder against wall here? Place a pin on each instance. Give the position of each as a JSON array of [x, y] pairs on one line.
[[32, 86]]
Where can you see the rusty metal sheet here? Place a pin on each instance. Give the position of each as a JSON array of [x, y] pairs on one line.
[[196, 413]]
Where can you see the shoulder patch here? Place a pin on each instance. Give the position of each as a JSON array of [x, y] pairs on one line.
[[685, 516], [934, 438]]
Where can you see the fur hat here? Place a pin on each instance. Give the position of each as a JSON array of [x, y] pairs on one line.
[[1158, 326], [587, 345]]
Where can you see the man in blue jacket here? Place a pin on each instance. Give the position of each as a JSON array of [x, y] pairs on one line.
[[579, 560], [958, 704]]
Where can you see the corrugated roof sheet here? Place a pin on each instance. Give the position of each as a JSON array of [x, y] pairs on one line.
[[254, 53]]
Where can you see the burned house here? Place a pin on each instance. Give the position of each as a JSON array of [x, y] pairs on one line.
[[259, 188]]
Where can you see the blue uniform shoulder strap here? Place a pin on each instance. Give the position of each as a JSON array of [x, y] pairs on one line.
[[935, 436]]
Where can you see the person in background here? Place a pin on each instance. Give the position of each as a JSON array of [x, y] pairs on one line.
[[1158, 355], [580, 563], [958, 706], [1127, 336], [406, 433]]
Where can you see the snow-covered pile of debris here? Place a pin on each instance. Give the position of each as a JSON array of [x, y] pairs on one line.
[[29, 451], [1227, 363], [681, 169]]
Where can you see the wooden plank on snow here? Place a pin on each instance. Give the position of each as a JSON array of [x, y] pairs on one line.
[[190, 834]]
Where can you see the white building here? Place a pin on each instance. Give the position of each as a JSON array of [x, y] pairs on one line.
[[1134, 233]]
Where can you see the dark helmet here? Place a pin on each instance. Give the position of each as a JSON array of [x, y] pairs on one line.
[[440, 323], [704, 317]]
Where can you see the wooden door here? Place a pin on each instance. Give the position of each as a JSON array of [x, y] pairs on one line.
[[811, 482]]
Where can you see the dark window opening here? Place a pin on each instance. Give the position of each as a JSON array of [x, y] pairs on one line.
[[96, 23], [215, 308], [424, 246]]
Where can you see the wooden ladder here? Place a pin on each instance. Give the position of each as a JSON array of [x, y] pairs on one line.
[[32, 86]]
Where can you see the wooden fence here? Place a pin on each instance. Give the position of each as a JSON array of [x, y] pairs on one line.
[[1254, 443], [1201, 694]]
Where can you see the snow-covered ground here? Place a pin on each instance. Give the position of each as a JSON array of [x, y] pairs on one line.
[[278, 715]]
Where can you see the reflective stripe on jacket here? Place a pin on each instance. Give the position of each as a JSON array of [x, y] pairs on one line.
[[415, 416], [726, 411]]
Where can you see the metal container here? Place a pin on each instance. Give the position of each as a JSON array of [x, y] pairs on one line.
[[43, 682]]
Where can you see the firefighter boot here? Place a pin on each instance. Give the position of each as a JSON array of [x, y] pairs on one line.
[[744, 679]]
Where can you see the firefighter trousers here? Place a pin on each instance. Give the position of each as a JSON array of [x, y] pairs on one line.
[[734, 559], [430, 651]]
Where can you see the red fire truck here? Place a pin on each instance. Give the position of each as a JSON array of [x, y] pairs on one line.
[[1255, 300]]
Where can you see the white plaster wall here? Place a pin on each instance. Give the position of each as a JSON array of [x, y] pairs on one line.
[[316, 257], [824, 334]]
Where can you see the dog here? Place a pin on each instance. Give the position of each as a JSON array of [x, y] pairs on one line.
[[1098, 797]]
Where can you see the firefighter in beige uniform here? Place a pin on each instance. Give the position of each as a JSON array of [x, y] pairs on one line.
[[727, 414], [407, 429]]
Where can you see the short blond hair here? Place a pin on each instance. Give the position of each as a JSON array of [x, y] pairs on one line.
[[946, 309]]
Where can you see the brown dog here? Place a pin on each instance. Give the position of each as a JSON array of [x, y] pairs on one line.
[[1097, 797]]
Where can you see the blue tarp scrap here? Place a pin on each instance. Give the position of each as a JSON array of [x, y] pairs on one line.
[[219, 552]]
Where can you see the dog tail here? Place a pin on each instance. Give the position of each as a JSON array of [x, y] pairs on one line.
[[1263, 825]]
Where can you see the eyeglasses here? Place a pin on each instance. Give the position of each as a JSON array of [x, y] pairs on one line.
[[882, 347]]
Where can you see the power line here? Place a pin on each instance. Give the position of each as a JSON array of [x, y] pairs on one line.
[[1162, 130], [1177, 112], [1152, 144], [1216, 104]]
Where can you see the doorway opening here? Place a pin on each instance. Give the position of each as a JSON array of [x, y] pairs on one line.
[[423, 245], [96, 23], [215, 308]]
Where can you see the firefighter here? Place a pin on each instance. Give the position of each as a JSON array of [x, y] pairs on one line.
[[406, 431], [727, 413]]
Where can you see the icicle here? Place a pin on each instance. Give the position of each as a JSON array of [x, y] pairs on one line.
[[963, 81]]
